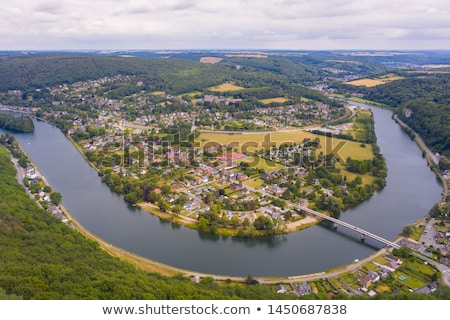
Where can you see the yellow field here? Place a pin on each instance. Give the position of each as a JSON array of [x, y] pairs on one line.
[[226, 87], [375, 82], [158, 93], [278, 100], [253, 141]]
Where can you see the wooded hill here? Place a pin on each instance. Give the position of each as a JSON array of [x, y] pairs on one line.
[[422, 101], [173, 76]]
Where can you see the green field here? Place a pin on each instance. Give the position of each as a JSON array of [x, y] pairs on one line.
[[255, 183], [260, 163], [366, 178]]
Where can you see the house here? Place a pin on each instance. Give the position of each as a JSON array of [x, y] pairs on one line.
[[280, 288], [53, 210], [384, 273], [365, 281], [429, 288], [374, 277], [393, 259], [370, 278], [236, 186], [445, 261], [302, 289], [372, 293]]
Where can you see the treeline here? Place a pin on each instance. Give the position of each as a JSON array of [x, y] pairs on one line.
[[18, 124], [430, 120]]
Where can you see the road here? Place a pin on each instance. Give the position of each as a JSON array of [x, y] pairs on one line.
[[419, 140]]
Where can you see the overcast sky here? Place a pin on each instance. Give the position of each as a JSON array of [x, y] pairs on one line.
[[224, 24]]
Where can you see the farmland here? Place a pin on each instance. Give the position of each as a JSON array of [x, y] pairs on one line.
[[225, 87], [250, 142], [273, 100], [372, 82]]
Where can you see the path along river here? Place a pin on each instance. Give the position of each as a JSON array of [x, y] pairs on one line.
[[412, 189]]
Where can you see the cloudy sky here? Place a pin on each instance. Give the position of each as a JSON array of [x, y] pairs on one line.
[[224, 24]]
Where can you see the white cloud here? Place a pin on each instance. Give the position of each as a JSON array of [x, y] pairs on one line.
[[283, 24]]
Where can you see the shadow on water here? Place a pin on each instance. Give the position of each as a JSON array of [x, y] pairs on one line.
[[269, 242], [346, 233], [167, 223]]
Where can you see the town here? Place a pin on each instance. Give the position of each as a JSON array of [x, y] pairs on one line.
[[232, 175]]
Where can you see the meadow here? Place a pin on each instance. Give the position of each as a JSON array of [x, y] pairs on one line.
[[372, 82], [226, 87], [272, 100], [250, 142]]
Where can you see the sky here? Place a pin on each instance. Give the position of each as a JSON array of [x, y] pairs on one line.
[[224, 24]]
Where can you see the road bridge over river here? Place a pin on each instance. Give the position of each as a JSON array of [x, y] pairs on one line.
[[363, 232], [337, 222]]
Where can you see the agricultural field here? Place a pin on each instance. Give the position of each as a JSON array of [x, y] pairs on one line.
[[273, 100], [260, 163], [225, 87], [254, 141], [369, 82]]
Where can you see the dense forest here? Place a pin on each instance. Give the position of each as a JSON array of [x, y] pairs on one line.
[[174, 76], [420, 100], [19, 124]]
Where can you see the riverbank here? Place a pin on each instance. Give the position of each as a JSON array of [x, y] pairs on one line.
[[430, 157]]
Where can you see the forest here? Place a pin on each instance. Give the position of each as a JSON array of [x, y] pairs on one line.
[[421, 101], [21, 124]]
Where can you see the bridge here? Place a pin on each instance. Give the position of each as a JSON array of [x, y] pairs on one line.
[[347, 225], [338, 222]]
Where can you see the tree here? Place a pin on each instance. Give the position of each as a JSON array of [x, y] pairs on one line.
[[56, 197], [203, 224], [408, 230], [234, 221], [263, 223], [177, 210], [162, 204]]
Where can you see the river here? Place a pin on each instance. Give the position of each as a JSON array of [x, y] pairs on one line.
[[412, 189]]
